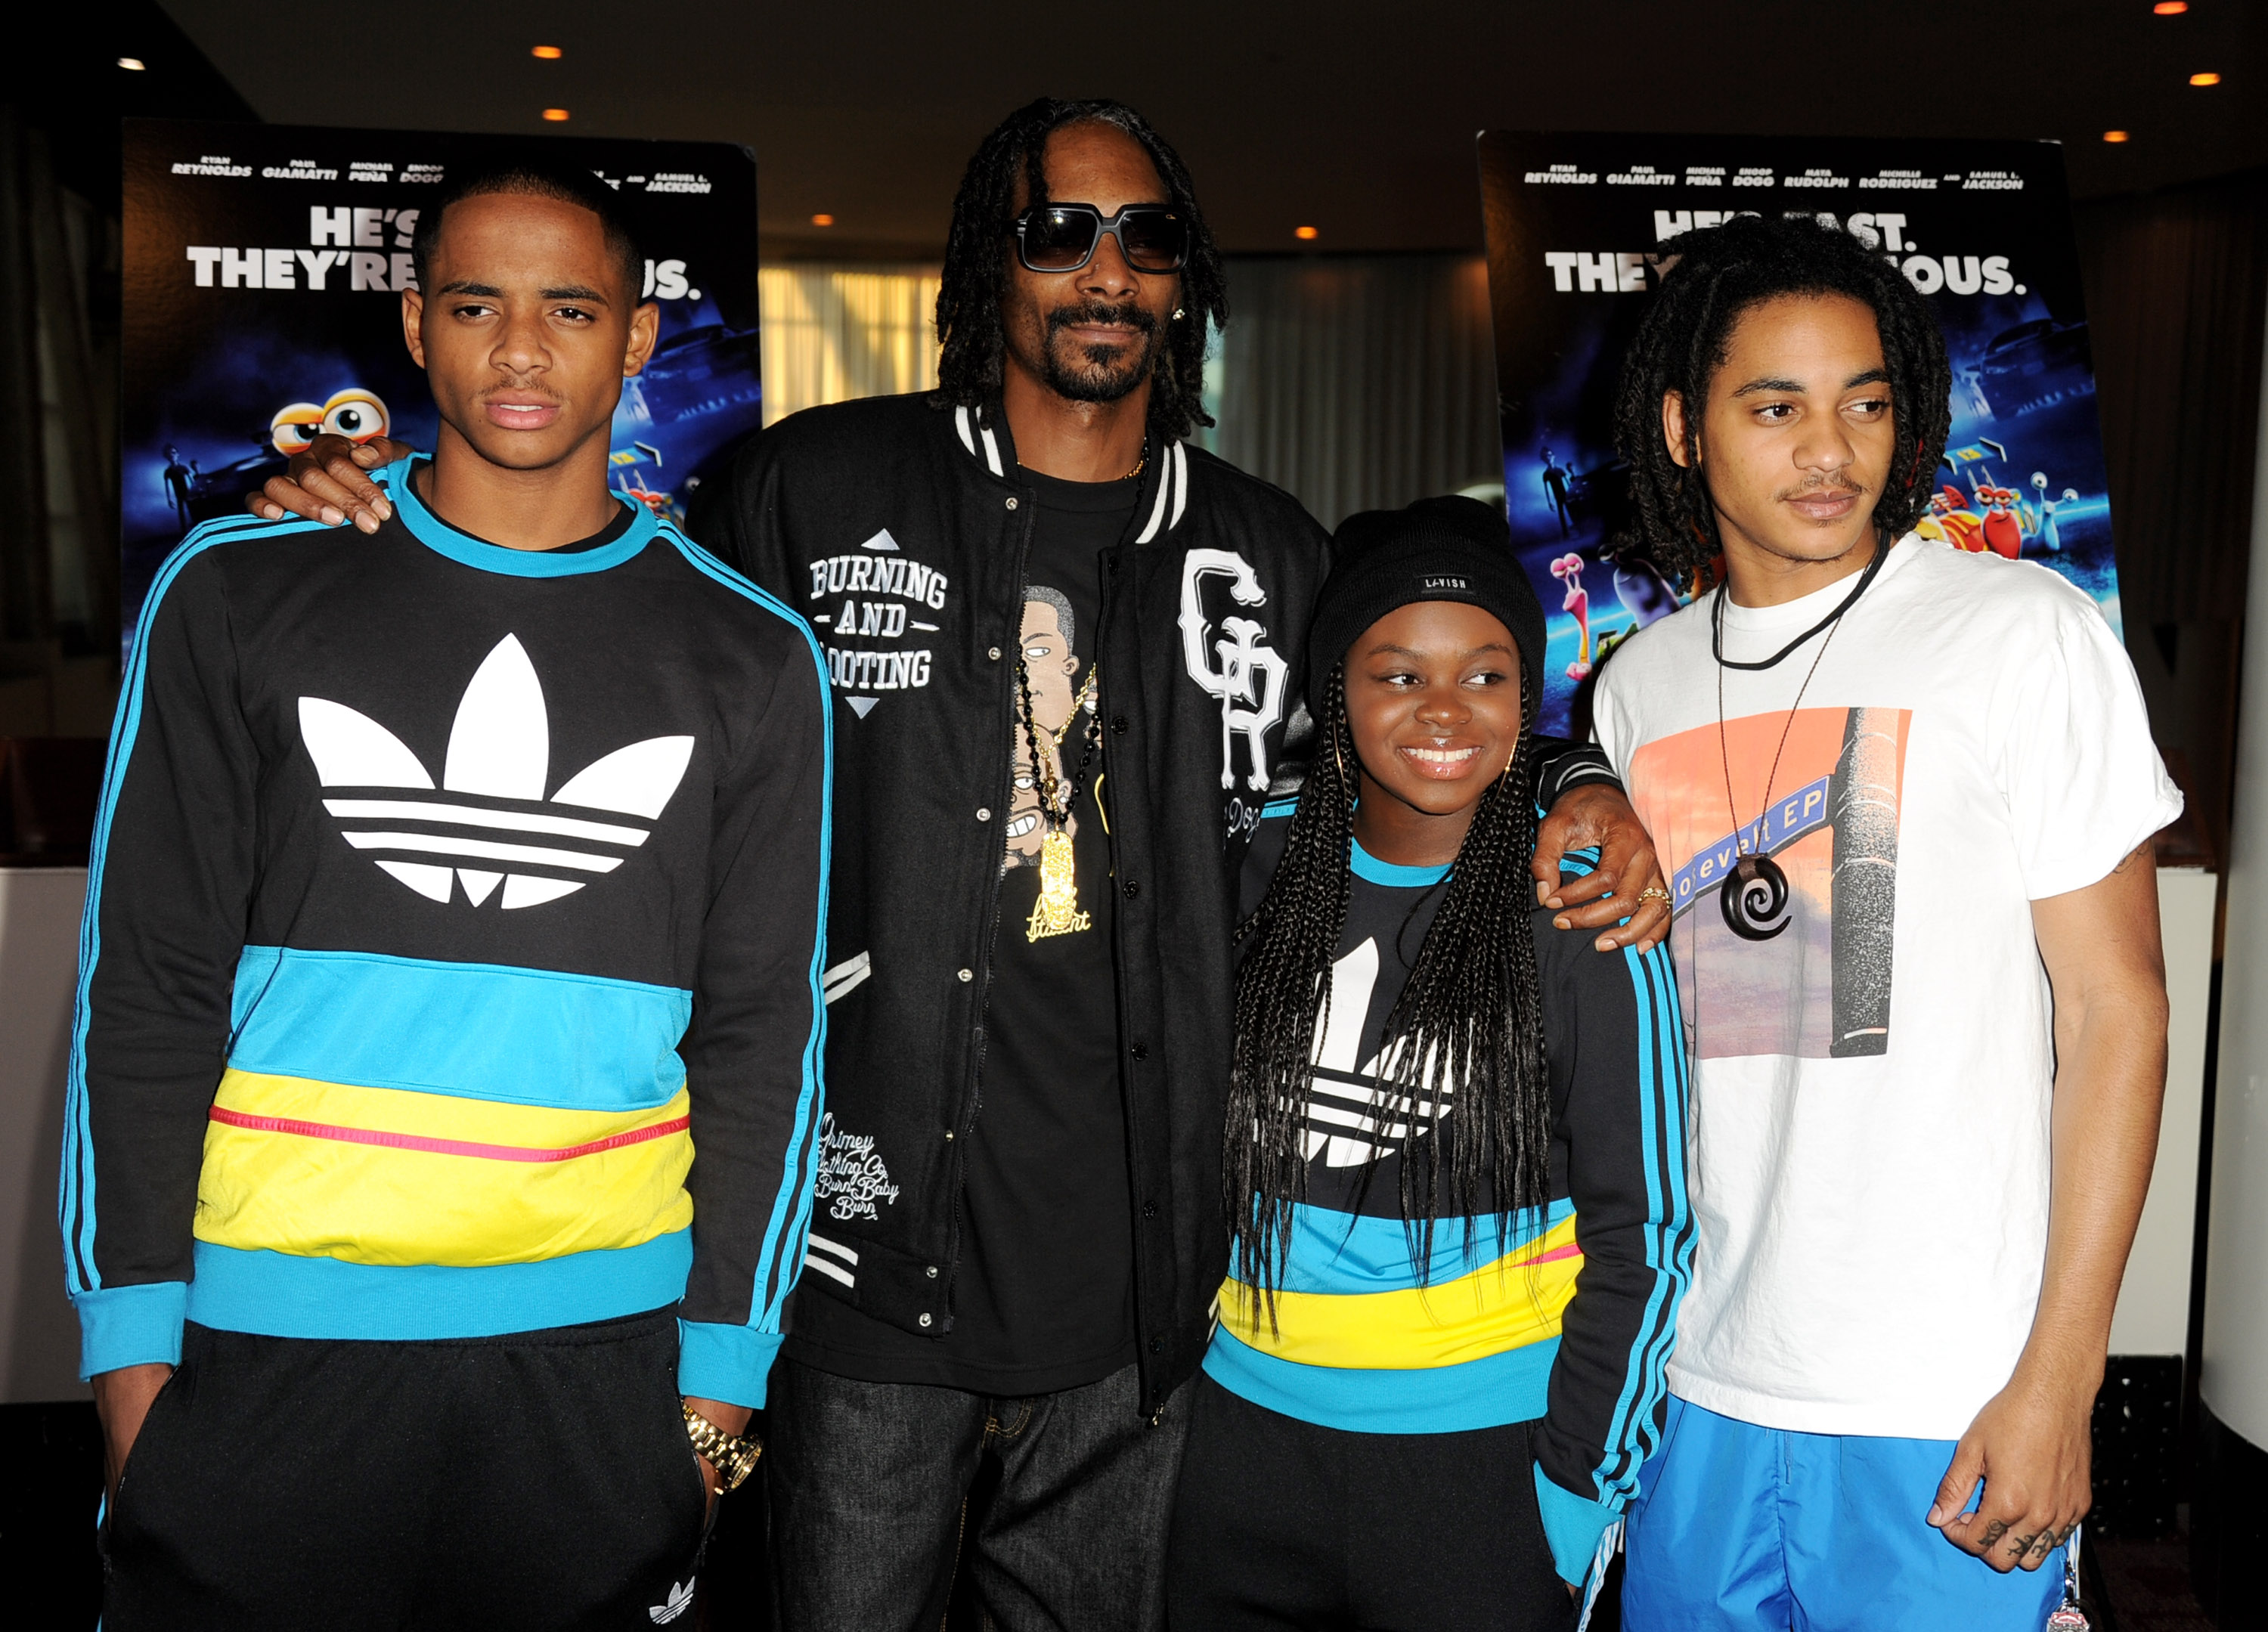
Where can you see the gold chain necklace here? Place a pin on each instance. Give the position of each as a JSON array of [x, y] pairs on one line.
[[1086, 699]]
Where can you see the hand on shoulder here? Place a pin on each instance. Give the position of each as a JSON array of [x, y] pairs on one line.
[[327, 483]]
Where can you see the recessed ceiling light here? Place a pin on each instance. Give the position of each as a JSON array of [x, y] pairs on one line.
[[822, 219], [2170, 7], [132, 64], [1304, 233], [557, 116], [549, 54], [2204, 79], [2115, 136]]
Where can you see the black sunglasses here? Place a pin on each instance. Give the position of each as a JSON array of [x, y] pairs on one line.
[[1063, 238]]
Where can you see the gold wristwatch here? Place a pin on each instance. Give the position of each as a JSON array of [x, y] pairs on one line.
[[734, 1458]]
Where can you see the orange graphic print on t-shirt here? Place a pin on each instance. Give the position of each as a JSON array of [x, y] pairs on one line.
[[1811, 976]]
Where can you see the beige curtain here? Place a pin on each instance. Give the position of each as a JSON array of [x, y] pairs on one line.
[[2174, 285], [1359, 382], [58, 437], [2175, 282], [832, 333]]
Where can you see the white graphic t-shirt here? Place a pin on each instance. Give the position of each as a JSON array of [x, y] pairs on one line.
[[1868, 1149]]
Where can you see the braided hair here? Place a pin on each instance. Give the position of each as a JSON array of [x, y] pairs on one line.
[[1466, 1030], [977, 260], [1722, 272]]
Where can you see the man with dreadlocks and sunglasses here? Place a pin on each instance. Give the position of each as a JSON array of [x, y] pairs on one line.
[[1906, 795], [1064, 644], [1454, 1163]]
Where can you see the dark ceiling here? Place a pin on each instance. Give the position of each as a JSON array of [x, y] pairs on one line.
[[1356, 118]]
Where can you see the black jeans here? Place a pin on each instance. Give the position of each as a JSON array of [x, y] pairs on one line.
[[1281, 1523], [869, 1481], [539, 1479]]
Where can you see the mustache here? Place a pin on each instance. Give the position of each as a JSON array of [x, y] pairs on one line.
[[1838, 483], [1130, 314], [512, 388]]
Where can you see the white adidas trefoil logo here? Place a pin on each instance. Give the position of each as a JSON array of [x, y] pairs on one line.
[[681, 1600], [499, 751], [1352, 1118]]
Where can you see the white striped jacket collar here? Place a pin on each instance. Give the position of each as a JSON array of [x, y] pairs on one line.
[[1165, 508]]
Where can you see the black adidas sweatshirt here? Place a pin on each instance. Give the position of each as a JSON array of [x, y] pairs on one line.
[[451, 951]]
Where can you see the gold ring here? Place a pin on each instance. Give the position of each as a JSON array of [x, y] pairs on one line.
[[1653, 893]]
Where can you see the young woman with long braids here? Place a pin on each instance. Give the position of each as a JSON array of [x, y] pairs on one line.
[[1454, 1164]]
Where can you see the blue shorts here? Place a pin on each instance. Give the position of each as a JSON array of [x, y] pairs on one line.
[[1737, 1528]]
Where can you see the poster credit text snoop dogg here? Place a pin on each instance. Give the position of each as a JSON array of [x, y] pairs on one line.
[[1582, 230], [264, 271]]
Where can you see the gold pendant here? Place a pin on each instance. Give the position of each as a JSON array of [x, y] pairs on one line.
[[1057, 911]]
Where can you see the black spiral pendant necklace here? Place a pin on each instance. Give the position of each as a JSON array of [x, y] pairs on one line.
[[1755, 894]]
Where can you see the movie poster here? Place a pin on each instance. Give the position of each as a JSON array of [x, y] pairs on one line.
[[263, 266], [1582, 228]]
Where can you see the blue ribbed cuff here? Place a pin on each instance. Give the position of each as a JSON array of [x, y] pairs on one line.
[[1572, 1525], [122, 1326], [725, 1362]]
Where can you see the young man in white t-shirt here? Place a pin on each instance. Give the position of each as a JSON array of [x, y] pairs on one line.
[[1905, 797]]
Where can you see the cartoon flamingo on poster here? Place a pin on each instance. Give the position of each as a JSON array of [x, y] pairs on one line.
[[1569, 569]]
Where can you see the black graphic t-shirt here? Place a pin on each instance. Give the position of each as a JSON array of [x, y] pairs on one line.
[[1043, 1299]]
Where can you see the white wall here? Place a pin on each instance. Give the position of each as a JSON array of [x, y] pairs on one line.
[[38, 968], [2236, 1359], [2153, 1302]]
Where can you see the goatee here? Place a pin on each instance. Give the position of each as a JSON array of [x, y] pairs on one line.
[[1098, 373]]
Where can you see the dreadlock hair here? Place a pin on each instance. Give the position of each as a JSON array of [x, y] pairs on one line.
[[1720, 273], [977, 253], [1467, 1031]]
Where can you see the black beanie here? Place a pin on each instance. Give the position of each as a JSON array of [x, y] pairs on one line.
[[1450, 549]]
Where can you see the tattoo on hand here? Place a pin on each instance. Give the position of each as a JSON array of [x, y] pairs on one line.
[[2043, 1543], [1993, 1530]]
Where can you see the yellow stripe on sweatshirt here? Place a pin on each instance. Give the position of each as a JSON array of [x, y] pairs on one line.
[[1515, 1301], [389, 1176]]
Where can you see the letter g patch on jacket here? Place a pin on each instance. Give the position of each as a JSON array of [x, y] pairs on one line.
[[1237, 666]]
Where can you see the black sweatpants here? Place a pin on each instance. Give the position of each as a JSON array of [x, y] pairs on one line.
[[539, 1479], [1281, 1523]]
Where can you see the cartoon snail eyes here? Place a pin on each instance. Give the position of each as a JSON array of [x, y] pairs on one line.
[[294, 428], [1754, 898], [355, 414]]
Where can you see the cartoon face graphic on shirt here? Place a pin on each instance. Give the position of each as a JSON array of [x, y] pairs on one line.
[[1051, 667]]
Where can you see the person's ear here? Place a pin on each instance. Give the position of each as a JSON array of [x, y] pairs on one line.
[[645, 329], [413, 324], [1673, 425]]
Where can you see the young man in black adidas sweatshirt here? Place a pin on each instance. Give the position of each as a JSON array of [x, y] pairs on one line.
[[444, 1102]]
